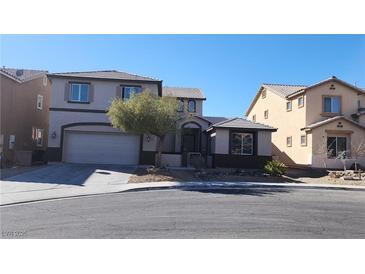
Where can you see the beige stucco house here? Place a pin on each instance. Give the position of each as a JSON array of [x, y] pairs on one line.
[[80, 131], [24, 102], [315, 123]]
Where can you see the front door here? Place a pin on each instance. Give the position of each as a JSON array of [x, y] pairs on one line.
[[190, 143]]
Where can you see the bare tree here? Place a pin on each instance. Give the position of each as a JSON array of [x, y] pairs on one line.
[[323, 152], [357, 151]]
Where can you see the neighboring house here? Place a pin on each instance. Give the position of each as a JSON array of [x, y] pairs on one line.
[[312, 121], [24, 97], [80, 131]]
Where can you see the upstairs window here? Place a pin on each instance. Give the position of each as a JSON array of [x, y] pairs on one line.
[[301, 101], [288, 106], [254, 118], [331, 104], [79, 93], [266, 114], [129, 90], [289, 141], [242, 143], [303, 140], [192, 106], [180, 106], [39, 102]]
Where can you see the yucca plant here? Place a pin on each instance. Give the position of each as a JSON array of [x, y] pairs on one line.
[[275, 168]]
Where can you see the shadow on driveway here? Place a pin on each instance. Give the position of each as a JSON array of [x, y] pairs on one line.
[[73, 174]]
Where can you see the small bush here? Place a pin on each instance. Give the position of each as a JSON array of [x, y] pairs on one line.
[[275, 168]]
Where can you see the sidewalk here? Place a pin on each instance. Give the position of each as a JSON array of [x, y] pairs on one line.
[[36, 193]]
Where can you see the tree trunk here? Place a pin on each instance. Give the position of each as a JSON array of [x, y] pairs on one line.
[[159, 150]]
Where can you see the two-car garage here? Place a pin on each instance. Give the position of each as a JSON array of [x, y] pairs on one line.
[[100, 145]]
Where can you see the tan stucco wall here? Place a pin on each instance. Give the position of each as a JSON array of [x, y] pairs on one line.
[[19, 113], [320, 136], [221, 141], [264, 147], [198, 109], [104, 93], [288, 123], [349, 101]]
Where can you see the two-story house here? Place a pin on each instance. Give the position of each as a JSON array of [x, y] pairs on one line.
[[315, 123], [80, 131], [24, 101]]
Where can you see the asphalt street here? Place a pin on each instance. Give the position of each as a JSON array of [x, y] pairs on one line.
[[275, 212]]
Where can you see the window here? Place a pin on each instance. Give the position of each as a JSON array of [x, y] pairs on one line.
[[180, 106], [288, 106], [37, 136], [242, 143], [331, 104], [266, 114], [192, 106], [289, 141], [263, 94], [336, 145], [128, 91], [303, 140], [301, 101], [79, 93], [39, 102], [254, 118]]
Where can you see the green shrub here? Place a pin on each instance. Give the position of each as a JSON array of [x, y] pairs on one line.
[[275, 168]]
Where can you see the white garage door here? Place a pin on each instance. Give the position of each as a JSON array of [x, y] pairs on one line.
[[100, 148]]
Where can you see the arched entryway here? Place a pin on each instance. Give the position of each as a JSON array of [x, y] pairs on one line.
[[191, 134]]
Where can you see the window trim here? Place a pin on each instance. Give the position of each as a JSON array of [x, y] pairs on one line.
[[40, 99], [305, 138], [266, 114], [291, 141], [254, 118], [331, 114], [253, 145], [302, 105], [336, 152], [291, 106], [194, 101], [88, 93], [35, 132], [129, 86]]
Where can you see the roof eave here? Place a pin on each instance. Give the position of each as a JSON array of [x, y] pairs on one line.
[[51, 75]]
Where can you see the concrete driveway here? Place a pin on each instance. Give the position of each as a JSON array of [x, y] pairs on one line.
[[62, 180]]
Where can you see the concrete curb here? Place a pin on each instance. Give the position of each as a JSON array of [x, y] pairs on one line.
[[194, 185]]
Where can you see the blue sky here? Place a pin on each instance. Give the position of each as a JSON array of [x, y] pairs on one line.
[[228, 68]]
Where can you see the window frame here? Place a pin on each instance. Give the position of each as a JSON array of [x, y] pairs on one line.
[[291, 106], [124, 87], [291, 141], [330, 156], [40, 100], [254, 118], [71, 100], [301, 105], [331, 113], [192, 101], [266, 114], [305, 140], [253, 136], [37, 138]]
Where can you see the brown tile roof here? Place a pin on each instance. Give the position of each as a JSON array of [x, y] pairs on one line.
[[284, 90], [104, 74], [22, 75], [242, 123], [182, 92]]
